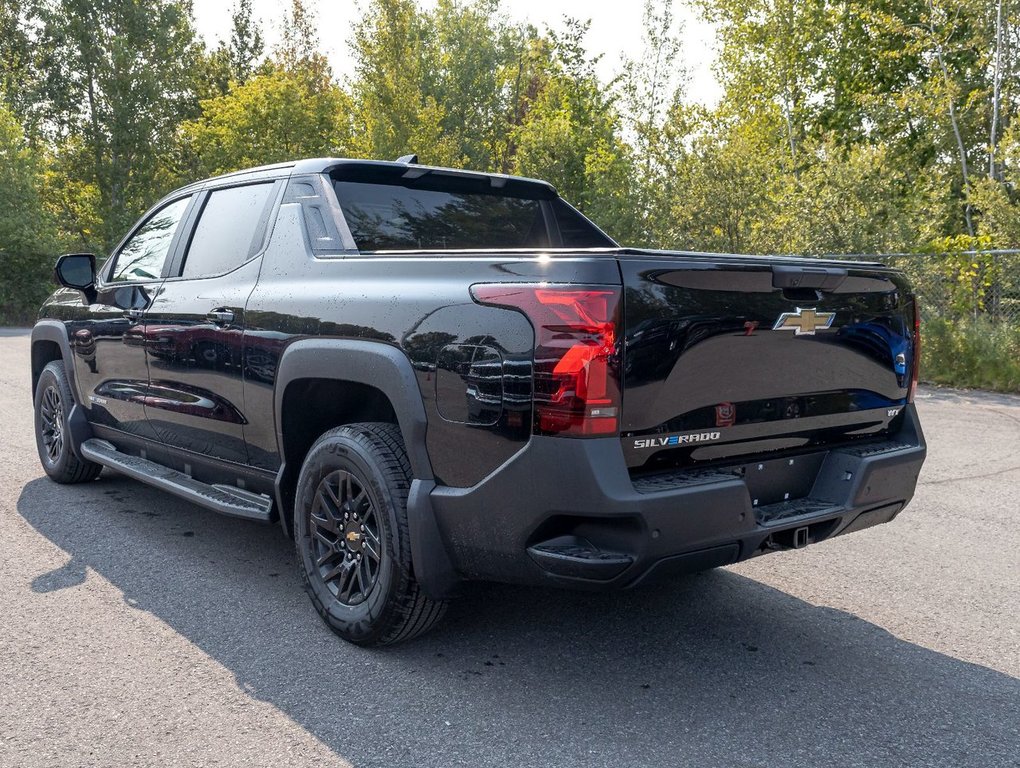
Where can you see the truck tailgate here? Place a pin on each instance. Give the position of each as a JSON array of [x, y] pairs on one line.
[[728, 356]]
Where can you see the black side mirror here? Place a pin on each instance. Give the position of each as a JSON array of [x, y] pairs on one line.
[[77, 271]]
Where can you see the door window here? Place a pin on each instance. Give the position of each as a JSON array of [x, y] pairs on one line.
[[225, 232], [143, 256]]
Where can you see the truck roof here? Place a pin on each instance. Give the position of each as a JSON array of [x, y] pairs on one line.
[[394, 168]]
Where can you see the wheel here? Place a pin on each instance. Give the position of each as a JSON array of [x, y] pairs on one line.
[[53, 401], [350, 529]]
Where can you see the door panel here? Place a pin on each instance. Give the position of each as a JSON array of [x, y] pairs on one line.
[[194, 339], [195, 329]]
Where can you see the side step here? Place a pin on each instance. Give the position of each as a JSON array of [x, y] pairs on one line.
[[219, 498]]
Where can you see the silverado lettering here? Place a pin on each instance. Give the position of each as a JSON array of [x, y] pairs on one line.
[[659, 442]]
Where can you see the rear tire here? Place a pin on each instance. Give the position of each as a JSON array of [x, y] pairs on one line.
[[352, 540], [53, 403]]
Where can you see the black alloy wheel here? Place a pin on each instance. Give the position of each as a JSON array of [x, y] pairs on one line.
[[53, 438], [346, 534], [51, 416], [352, 538]]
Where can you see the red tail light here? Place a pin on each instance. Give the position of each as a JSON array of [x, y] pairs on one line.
[[915, 363], [577, 372]]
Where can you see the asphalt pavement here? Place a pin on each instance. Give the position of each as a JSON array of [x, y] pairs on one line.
[[136, 629]]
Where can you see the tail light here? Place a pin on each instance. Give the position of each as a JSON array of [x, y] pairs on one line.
[[915, 363], [577, 372]]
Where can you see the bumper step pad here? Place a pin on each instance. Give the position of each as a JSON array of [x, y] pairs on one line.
[[783, 511], [576, 557]]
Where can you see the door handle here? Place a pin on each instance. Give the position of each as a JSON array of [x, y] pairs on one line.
[[133, 314], [220, 316]]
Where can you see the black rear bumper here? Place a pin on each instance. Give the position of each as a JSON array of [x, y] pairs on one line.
[[567, 512]]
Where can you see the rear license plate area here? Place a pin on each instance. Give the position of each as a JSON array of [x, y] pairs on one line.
[[775, 480]]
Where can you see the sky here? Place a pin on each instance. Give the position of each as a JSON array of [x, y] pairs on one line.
[[615, 31]]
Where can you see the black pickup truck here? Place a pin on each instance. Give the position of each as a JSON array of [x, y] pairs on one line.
[[428, 376]]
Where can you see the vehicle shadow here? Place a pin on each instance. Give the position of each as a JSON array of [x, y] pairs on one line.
[[714, 669]]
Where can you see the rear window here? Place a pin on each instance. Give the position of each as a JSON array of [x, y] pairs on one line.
[[386, 217]]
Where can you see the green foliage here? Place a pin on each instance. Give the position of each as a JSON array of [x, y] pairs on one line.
[[276, 116], [246, 44], [395, 88], [570, 136], [847, 200], [967, 277], [971, 352], [27, 236], [117, 82]]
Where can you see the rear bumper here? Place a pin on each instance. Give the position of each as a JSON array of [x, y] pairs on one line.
[[567, 512]]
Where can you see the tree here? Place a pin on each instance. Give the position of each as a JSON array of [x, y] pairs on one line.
[[298, 50], [117, 82], [273, 117], [246, 44], [651, 88], [571, 137], [395, 86], [27, 233], [17, 79], [476, 49]]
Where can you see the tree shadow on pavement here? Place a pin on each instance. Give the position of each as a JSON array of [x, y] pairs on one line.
[[713, 669]]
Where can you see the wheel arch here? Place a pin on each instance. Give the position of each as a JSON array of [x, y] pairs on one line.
[[49, 343], [325, 383]]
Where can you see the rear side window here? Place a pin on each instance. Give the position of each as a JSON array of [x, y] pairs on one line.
[[226, 229], [385, 217], [576, 231], [143, 256]]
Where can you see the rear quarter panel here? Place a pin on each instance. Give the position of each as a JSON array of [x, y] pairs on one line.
[[420, 303]]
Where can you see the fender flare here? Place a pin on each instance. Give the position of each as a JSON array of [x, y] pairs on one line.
[[55, 331], [387, 369], [371, 363]]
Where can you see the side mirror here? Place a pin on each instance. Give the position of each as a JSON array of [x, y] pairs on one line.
[[77, 271]]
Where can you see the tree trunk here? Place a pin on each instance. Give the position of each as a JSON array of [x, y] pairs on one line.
[[993, 139], [952, 118]]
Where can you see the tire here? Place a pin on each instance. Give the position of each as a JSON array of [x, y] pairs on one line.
[[351, 534], [53, 402]]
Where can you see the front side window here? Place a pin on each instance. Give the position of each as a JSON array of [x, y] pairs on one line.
[[386, 217], [226, 229], [143, 256]]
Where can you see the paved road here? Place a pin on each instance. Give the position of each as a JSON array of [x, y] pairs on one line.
[[138, 630]]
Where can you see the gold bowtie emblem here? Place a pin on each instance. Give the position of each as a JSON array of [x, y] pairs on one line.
[[353, 536], [804, 321]]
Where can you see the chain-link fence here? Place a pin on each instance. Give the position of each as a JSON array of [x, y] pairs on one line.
[[970, 314], [969, 284]]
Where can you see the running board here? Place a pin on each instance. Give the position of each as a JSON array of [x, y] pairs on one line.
[[224, 499]]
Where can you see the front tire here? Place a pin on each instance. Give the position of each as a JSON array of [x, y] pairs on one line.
[[352, 538], [53, 403]]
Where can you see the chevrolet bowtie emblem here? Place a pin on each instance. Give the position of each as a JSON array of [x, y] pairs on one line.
[[804, 321], [353, 536]]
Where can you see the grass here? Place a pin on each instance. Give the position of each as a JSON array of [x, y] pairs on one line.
[[971, 353]]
